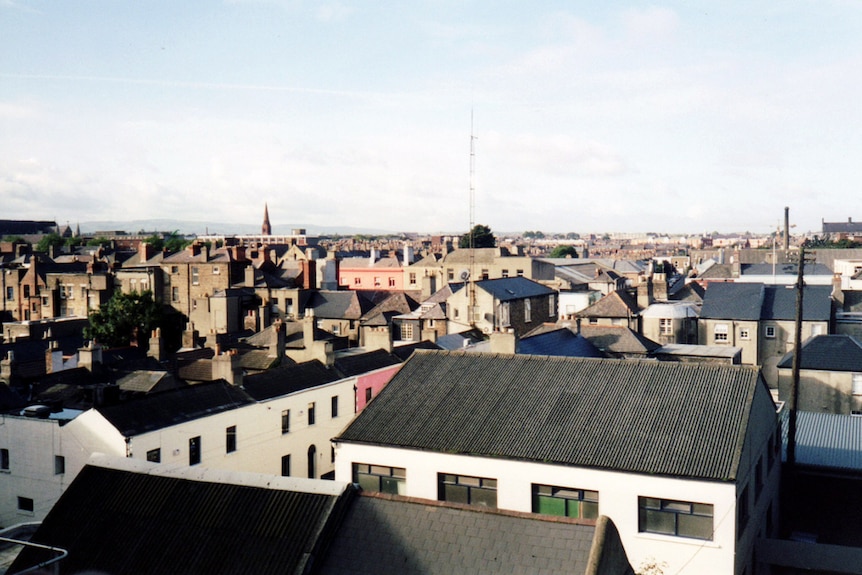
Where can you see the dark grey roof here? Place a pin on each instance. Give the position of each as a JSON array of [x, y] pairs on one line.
[[402, 352], [673, 419], [357, 364], [618, 339], [559, 342], [426, 538], [785, 269], [507, 289], [124, 523], [741, 301], [338, 304], [756, 301], [848, 227], [828, 353], [284, 380], [779, 303], [168, 408]]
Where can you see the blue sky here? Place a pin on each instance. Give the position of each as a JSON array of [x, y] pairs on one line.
[[589, 116]]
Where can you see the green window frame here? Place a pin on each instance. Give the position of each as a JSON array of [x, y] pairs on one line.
[[565, 501]]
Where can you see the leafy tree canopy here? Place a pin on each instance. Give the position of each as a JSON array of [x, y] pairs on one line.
[[175, 242], [563, 252], [100, 241], [73, 242], [13, 239], [573, 236], [49, 240], [126, 318], [828, 243], [482, 238], [156, 241]]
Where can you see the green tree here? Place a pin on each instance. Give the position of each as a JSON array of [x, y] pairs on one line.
[[563, 252], [175, 242], [74, 242], [100, 241], [573, 236], [156, 241], [49, 240], [126, 319], [482, 238]]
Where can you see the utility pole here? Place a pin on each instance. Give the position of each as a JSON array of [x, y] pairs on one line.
[[797, 362]]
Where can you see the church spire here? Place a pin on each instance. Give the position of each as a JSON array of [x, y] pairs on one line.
[[266, 229]]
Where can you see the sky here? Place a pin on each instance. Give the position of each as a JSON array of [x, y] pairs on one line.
[[584, 116]]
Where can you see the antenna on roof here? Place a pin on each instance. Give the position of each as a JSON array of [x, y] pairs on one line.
[[471, 291]]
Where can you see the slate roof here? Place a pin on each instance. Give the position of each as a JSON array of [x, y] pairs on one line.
[[660, 418], [508, 289], [344, 304], [381, 535], [144, 381], [740, 301], [617, 304], [848, 227], [828, 353], [785, 269], [402, 352], [173, 407], [124, 523], [618, 339], [559, 342], [284, 380], [455, 341], [357, 364], [756, 301]]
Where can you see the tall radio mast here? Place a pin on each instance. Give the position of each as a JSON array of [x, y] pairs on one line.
[[471, 293]]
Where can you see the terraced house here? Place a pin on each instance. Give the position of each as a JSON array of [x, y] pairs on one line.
[[681, 457]]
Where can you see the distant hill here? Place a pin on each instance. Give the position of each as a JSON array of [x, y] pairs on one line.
[[188, 227]]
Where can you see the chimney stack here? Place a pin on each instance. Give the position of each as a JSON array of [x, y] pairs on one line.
[[786, 228]]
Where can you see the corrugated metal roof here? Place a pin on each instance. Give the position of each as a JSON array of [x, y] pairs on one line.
[[827, 440], [120, 522], [682, 420]]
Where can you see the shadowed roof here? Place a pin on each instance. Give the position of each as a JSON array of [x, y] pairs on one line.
[[674, 419], [828, 353]]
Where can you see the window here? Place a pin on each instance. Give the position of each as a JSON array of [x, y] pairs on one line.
[[10, 293], [175, 294], [26, 291], [154, 455], [484, 274], [376, 281], [391, 282], [175, 269], [720, 333], [770, 332], [412, 278], [594, 321], [25, 504], [311, 413], [59, 465], [527, 310], [407, 331], [552, 306], [520, 273], [357, 281], [230, 439], [216, 270], [565, 502], [380, 478], [856, 385], [367, 394], [669, 517], [195, 450], [504, 314], [505, 273], [479, 491], [4, 460], [285, 421], [334, 406], [665, 326], [285, 465], [196, 276], [744, 334], [450, 274]]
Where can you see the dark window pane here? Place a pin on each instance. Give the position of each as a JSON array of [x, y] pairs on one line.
[[483, 497], [695, 526], [455, 494]]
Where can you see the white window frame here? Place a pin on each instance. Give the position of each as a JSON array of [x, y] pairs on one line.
[[856, 385], [769, 332], [721, 333]]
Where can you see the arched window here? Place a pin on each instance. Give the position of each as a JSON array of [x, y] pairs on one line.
[[312, 467]]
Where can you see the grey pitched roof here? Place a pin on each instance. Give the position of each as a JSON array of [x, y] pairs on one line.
[[284, 380], [559, 342], [673, 419], [381, 535], [181, 526], [615, 304], [756, 301], [785, 269], [828, 353], [168, 408], [357, 364], [741, 301], [507, 289], [618, 339], [345, 304]]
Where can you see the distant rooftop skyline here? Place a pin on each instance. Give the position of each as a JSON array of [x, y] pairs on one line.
[[589, 117]]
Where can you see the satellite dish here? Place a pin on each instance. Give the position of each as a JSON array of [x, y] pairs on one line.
[[464, 275]]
